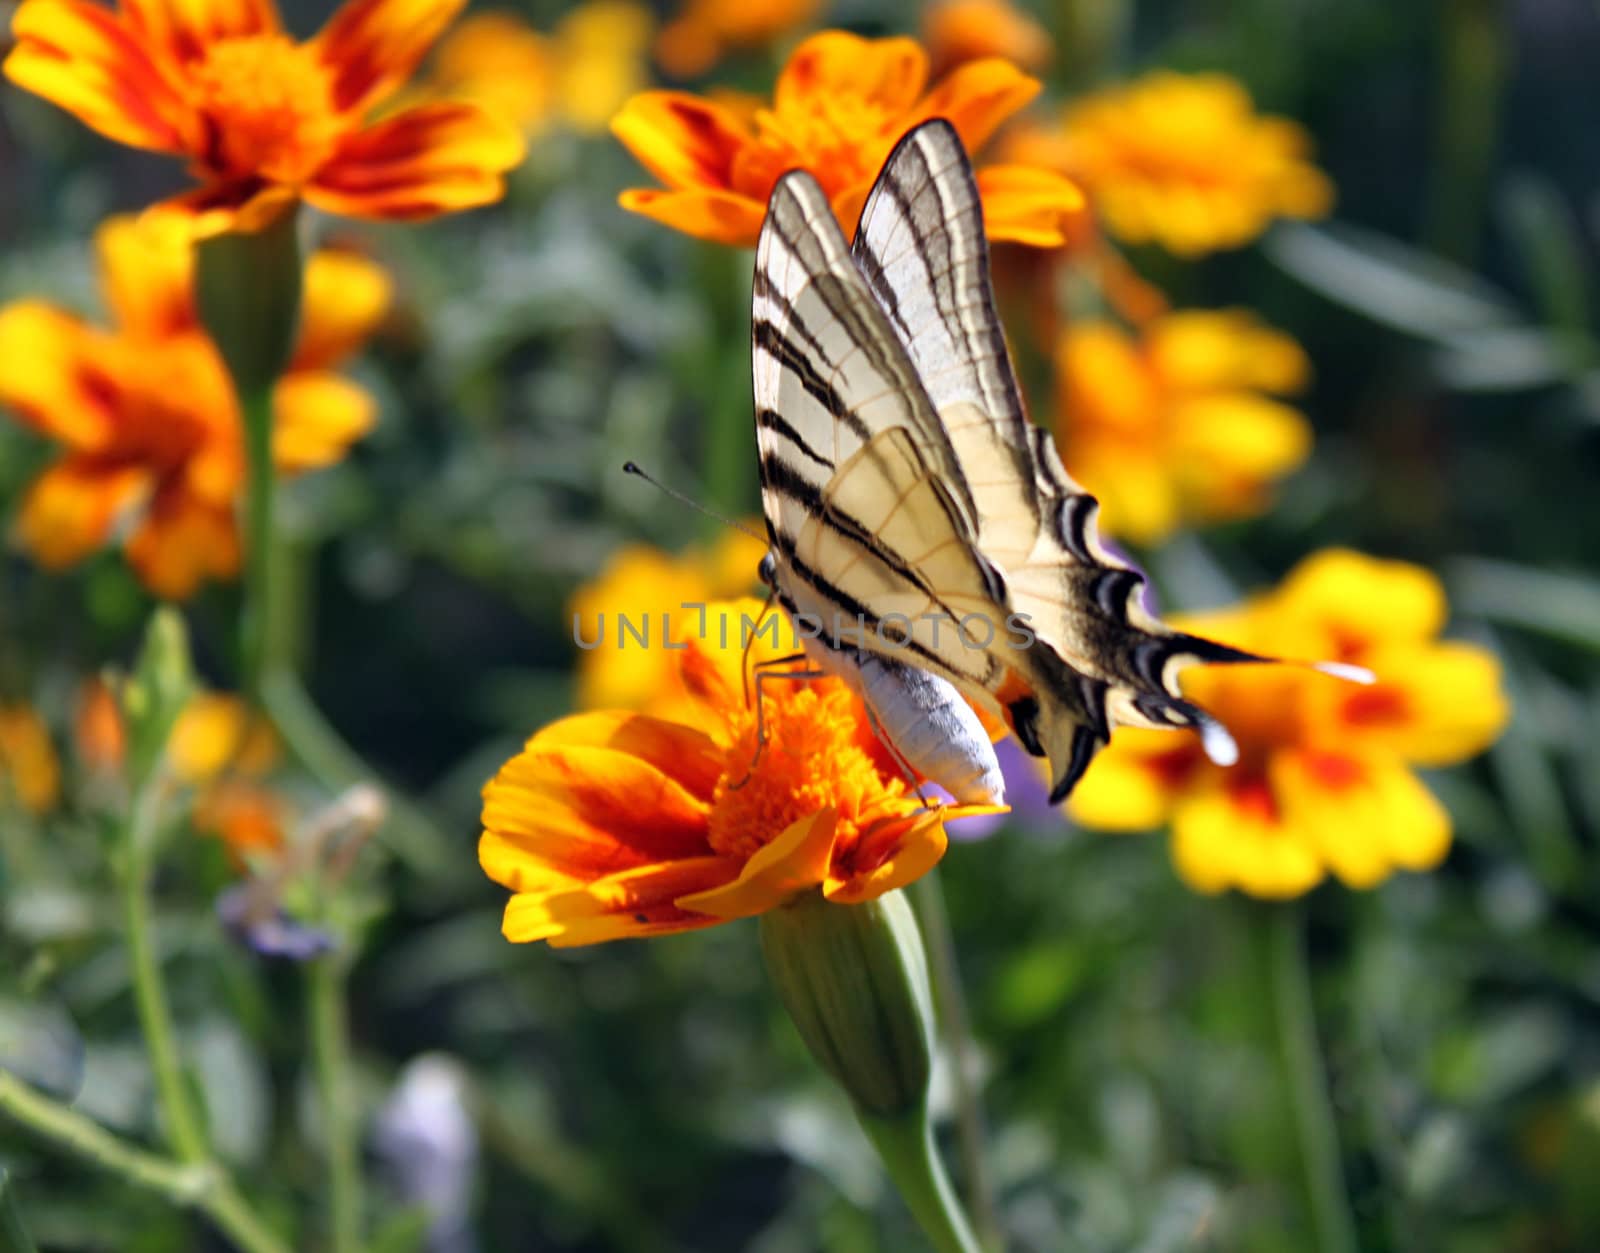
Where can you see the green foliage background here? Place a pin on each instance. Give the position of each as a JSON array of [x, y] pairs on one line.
[[650, 1096]]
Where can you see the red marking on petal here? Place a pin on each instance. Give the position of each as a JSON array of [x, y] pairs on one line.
[[1252, 796], [1333, 771], [1376, 706]]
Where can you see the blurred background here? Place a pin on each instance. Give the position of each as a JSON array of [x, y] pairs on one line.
[[650, 1096]]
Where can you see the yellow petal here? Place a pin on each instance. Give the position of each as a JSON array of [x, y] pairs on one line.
[[1366, 599], [346, 298], [147, 274], [59, 376], [1039, 208], [624, 905], [1223, 837], [919, 850], [316, 417], [70, 509], [795, 862]]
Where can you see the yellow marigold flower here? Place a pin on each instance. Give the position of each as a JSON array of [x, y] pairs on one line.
[[148, 417], [840, 105], [1324, 779], [1178, 424], [30, 773], [1183, 161], [707, 30], [616, 824], [646, 589], [579, 75], [263, 119], [958, 31]]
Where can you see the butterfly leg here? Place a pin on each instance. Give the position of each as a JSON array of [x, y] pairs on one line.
[[906, 768], [764, 674]]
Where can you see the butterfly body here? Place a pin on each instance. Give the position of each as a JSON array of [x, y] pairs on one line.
[[915, 515]]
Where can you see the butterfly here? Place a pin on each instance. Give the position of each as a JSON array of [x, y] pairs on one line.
[[922, 530]]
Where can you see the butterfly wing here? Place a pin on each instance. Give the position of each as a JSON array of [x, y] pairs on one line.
[[922, 250]]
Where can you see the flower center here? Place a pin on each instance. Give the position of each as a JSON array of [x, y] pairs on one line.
[[270, 105], [818, 753]]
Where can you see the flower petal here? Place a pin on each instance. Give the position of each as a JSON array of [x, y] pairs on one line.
[[1235, 836], [1435, 705], [1039, 208], [685, 754], [795, 862], [77, 55], [372, 46], [686, 142], [346, 297], [432, 159], [317, 415], [977, 97], [182, 541], [565, 812], [1132, 783], [147, 273], [884, 75], [721, 217], [246, 205], [1364, 600], [913, 847], [58, 377], [70, 509], [184, 29], [1366, 815], [629, 904]]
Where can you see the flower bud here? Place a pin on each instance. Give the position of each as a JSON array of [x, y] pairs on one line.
[[159, 688], [247, 287], [854, 979]]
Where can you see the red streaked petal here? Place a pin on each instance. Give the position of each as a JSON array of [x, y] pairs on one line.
[[70, 509], [795, 862], [78, 56], [893, 853], [685, 754], [372, 46], [686, 142], [184, 29], [629, 904], [722, 217], [436, 158]]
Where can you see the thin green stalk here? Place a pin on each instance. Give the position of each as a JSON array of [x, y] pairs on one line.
[[202, 1186], [255, 622], [14, 1236], [951, 1004], [1306, 1080], [183, 1125], [905, 1143], [330, 1051]]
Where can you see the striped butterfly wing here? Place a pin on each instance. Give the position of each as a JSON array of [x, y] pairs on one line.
[[855, 468], [1107, 660]]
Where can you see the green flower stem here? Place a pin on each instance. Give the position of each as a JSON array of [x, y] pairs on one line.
[[1305, 1078], [256, 622], [905, 1143], [14, 1236], [183, 1125], [203, 1186], [951, 1006], [330, 1051]]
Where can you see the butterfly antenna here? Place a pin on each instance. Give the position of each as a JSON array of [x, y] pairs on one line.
[[632, 467]]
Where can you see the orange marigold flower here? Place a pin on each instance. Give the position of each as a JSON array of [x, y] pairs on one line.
[[148, 417], [628, 620], [1178, 424], [579, 75], [1324, 779], [958, 31], [707, 30], [223, 749], [1183, 161], [841, 104], [616, 824], [30, 772], [263, 119]]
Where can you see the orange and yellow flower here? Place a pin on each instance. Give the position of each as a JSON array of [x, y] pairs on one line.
[[616, 824], [841, 104], [958, 31], [1178, 424], [262, 119], [1184, 161], [224, 751], [147, 415], [578, 76], [30, 771], [1324, 781], [708, 30], [660, 593]]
